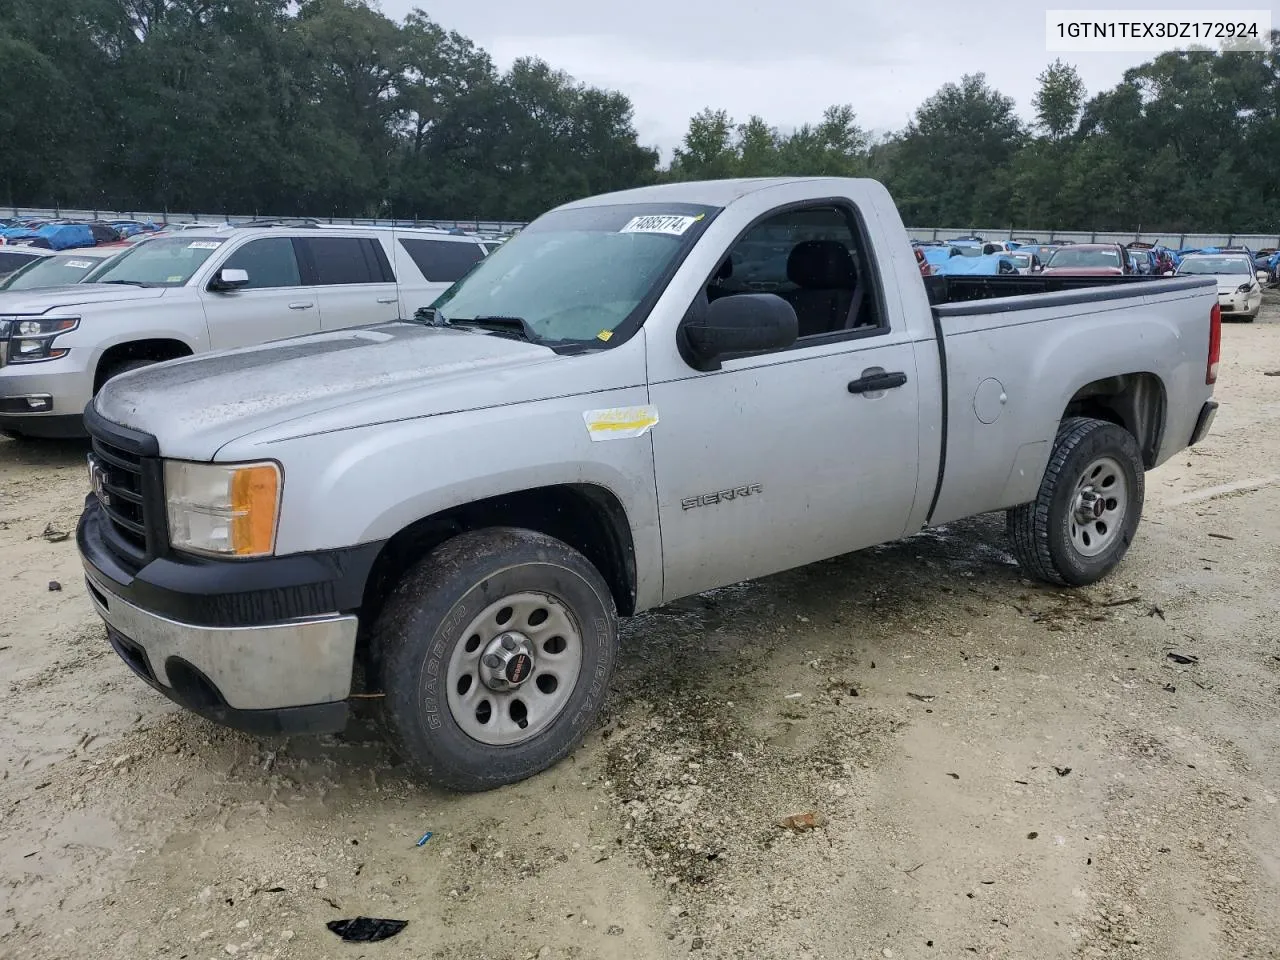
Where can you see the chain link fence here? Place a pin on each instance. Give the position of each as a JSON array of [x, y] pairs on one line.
[[1174, 240]]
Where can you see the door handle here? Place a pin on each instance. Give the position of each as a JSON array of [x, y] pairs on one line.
[[301, 306], [388, 299], [877, 381]]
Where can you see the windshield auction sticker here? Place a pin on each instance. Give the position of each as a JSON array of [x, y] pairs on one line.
[[670, 224]]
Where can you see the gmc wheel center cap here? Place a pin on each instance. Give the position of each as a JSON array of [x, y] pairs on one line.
[[507, 661], [518, 669]]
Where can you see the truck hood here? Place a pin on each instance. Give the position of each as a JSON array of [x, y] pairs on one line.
[[328, 381], [44, 299]]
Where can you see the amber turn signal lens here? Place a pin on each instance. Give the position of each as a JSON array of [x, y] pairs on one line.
[[255, 493]]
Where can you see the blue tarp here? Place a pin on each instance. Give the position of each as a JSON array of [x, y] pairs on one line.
[[937, 255], [129, 228], [988, 265], [65, 236]]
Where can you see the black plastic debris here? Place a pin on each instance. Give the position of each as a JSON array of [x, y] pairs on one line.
[[53, 535], [1062, 771], [922, 697], [1170, 688], [366, 929], [55, 586], [1184, 659], [1156, 611]]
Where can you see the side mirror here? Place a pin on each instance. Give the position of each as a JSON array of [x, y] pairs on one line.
[[229, 278], [736, 326], [1263, 276]]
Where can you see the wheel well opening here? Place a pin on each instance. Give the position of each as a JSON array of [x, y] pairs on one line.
[[586, 517], [157, 350], [1135, 401]]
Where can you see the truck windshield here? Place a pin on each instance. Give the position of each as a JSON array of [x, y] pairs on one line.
[[1228, 266], [578, 275], [158, 262], [1085, 258]]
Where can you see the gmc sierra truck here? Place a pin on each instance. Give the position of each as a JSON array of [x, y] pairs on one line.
[[642, 396]]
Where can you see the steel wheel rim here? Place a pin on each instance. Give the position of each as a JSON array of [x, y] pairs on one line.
[[1098, 506], [538, 624]]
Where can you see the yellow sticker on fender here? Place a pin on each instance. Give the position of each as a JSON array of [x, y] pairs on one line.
[[620, 423]]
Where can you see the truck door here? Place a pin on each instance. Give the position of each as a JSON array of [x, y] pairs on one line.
[[779, 460], [274, 305]]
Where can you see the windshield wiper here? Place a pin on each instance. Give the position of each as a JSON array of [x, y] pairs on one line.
[[129, 283], [500, 325]]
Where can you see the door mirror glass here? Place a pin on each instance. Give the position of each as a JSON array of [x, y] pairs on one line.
[[229, 278], [737, 326]]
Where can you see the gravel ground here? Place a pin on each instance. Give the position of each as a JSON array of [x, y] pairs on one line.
[[997, 768]]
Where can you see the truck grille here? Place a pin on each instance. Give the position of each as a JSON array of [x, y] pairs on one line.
[[129, 488]]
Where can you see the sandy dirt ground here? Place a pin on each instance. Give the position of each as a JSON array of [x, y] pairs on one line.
[[1004, 769]]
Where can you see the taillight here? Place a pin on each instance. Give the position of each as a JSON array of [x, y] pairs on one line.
[[1215, 344]]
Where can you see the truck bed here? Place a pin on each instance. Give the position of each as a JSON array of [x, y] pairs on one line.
[[964, 289]]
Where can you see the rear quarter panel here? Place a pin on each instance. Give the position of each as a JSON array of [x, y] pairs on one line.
[[1018, 364]]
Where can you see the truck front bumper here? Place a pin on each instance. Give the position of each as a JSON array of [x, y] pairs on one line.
[[198, 631]]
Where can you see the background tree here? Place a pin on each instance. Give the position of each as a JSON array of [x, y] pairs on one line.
[[329, 107], [1059, 100]]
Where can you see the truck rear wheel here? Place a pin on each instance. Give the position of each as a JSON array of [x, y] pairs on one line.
[[1087, 511], [494, 654]]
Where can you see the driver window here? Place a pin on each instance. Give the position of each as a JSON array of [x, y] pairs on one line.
[[270, 262], [813, 259]]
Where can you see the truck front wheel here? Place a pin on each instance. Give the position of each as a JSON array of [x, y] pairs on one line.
[[1087, 510], [494, 655]]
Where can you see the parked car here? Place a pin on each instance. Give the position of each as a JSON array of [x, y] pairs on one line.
[[989, 264], [202, 290], [1026, 241], [53, 269], [926, 268], [1043, 250], [1090, 259], [1239, 292], [463, 506], [1026, 262]]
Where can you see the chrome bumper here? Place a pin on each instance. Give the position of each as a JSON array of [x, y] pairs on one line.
[[270, 667]]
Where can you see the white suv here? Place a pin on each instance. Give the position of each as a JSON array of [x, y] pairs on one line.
[[208, 289]]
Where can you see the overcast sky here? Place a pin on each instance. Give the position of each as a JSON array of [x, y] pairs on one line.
[[786, 60]]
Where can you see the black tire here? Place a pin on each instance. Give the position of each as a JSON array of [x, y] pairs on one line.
[[123, 366], [428, 617], [1041, 531]]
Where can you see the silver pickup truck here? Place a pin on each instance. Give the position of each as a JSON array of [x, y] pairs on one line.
[[642, 396]]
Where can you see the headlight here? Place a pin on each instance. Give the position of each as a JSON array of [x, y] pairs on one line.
[[223, 509], [31, 338], [1244, 288]]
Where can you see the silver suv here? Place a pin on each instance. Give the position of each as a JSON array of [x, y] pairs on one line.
[[208, 289]]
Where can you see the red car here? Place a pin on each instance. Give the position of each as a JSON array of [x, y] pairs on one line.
[[1090, 260]]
